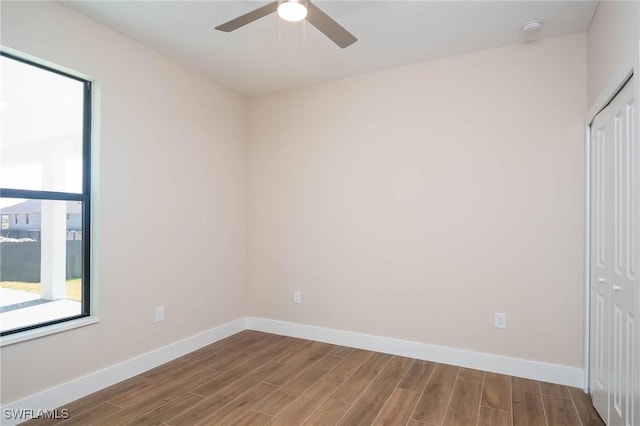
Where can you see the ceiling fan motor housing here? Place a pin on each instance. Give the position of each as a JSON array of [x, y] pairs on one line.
[[302, 2]]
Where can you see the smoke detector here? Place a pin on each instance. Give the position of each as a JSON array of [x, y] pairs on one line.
[[532, 26]]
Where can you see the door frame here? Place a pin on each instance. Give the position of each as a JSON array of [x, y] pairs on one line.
[[605, 97]]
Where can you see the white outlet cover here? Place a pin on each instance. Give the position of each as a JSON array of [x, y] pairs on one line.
[[500, 320]]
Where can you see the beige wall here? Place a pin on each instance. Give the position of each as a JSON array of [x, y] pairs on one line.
[[172, 199], [613, 41], [415, 202]]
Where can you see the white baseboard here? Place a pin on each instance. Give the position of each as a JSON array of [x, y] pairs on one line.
[[83, 386], [535, 370]]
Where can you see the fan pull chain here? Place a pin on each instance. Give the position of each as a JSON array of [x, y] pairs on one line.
[[279, 29]]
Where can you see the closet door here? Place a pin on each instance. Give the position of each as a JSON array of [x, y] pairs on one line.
[[601, 225], [614, 259]]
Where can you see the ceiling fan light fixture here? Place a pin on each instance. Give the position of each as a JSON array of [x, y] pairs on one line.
[[292, 10]]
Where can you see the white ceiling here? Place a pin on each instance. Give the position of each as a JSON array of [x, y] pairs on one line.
[[390, 33]]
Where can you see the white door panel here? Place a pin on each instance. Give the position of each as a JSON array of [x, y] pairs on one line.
[[600, 315], [614, 269]]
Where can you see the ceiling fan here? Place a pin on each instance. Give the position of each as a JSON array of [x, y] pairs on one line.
[[295, 10]]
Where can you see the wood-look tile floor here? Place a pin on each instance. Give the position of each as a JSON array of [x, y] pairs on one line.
[[255, 378]]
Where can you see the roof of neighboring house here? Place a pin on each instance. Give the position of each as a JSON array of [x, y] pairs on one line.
[[33, 206], [15, 240]]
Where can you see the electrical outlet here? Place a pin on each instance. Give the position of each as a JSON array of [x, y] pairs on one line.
[[160, 313], [500, 320], [297, 297]]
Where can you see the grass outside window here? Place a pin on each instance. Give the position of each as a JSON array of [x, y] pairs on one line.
[[73, 288]]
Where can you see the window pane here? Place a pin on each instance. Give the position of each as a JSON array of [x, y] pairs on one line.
[[41, 129], [40, 261]]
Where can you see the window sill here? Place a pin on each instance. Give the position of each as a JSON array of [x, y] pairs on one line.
[[45, 331]]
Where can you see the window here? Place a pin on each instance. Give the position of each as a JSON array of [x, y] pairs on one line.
[[45, 125]]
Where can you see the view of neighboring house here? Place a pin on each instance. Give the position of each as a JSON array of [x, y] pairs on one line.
[[23, 220]]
